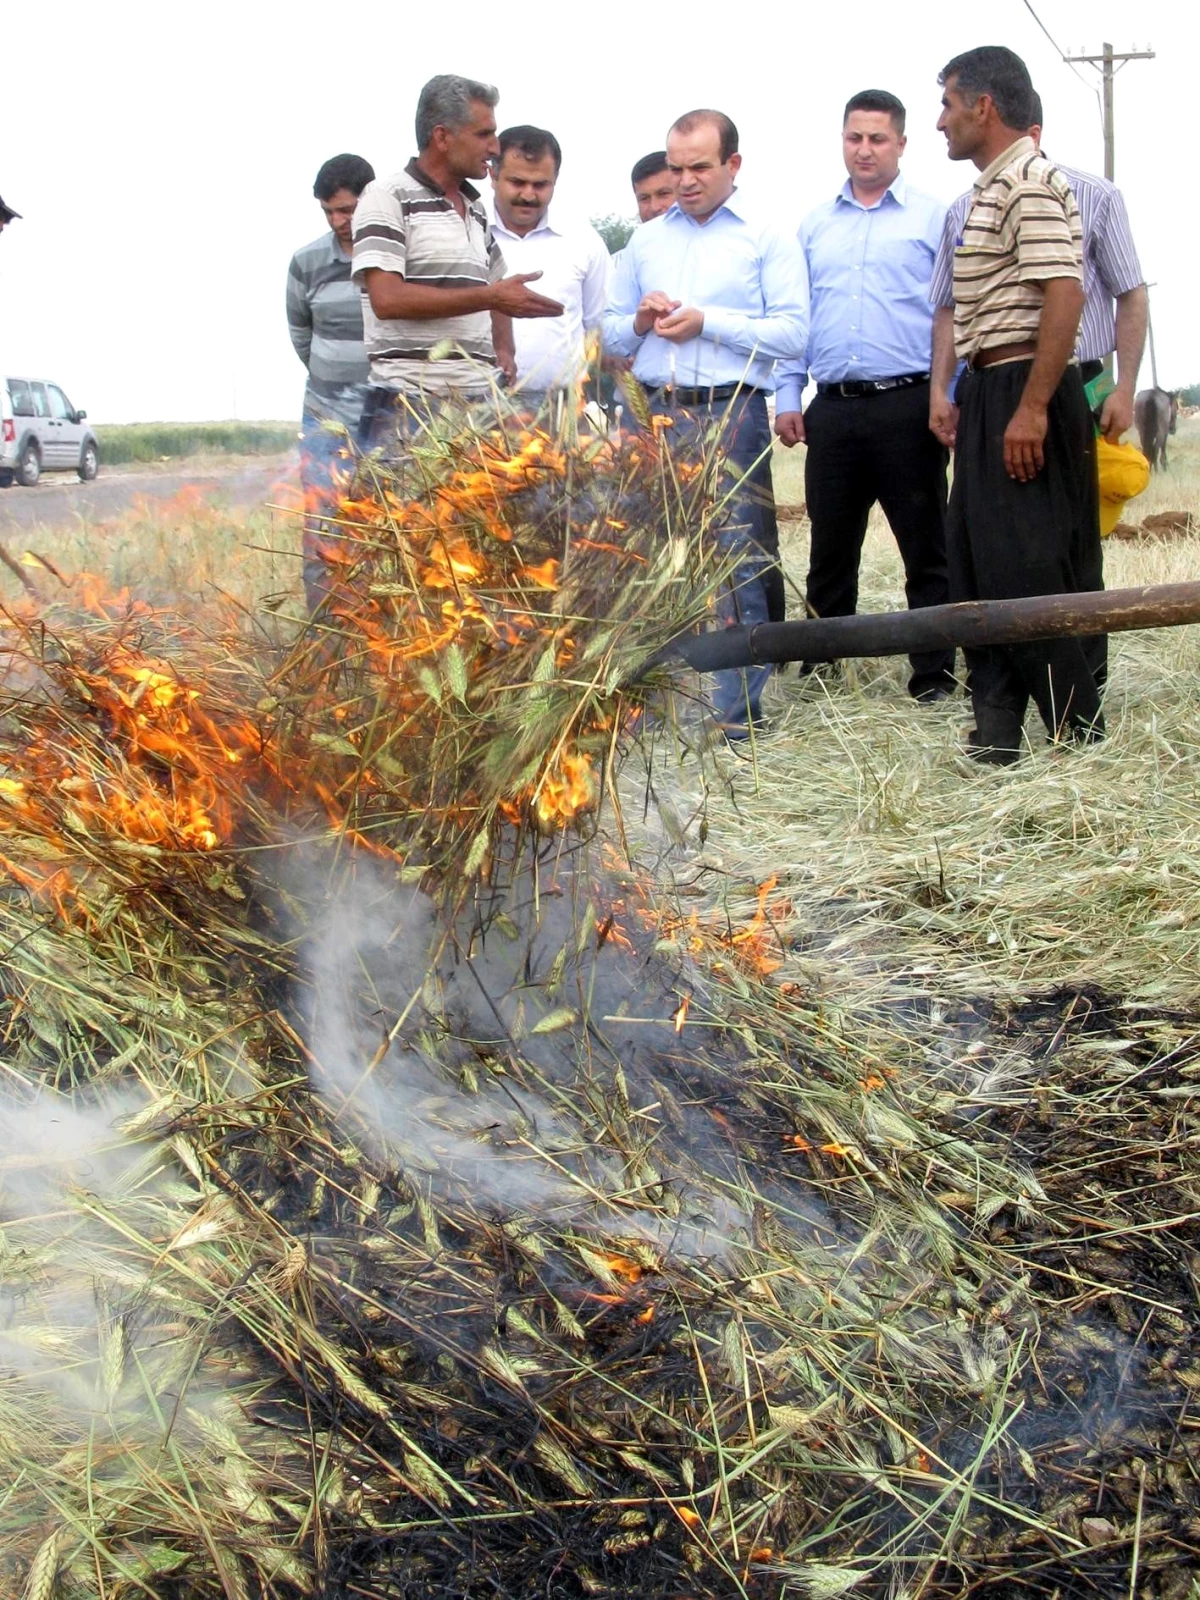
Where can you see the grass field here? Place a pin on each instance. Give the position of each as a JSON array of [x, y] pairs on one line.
[[947, 1341], [121, 443]]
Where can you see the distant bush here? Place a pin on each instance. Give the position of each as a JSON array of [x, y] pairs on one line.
[[151, 441], [615, 231], [1190, 396]]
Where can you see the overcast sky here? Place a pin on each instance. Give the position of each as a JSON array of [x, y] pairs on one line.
[[163, 156]]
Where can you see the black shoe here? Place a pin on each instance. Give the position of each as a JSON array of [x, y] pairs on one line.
[[991, 755], [1081, 733]]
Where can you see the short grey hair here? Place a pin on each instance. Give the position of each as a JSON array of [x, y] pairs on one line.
[[446, 103]]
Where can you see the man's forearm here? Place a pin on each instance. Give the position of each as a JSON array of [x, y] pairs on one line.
[[395, 299], [780, 335], [1058, 330], [941, 357], [1133, 314], [503, 338]]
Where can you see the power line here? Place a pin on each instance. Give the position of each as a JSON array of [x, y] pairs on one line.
[[1062, 53]]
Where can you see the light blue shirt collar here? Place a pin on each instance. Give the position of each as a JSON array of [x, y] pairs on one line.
[[897, 189], [735, 206]]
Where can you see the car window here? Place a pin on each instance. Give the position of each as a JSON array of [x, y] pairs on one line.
[[60, 406], [41, 403], [22, 400]]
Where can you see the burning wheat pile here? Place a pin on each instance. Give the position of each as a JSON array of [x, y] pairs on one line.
[[398, 1198]]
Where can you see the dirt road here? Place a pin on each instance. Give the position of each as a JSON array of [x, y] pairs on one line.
[[60, 498]]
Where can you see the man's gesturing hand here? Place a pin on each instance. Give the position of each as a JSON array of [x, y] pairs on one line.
[[653, 305], [1023, 440], [943, 419], [789, 427], [513, 299], [680, 325]]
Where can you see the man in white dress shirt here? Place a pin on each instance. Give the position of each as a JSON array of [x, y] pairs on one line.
[[571, 257]]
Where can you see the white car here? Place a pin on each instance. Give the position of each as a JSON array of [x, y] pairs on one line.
[[41, 431]]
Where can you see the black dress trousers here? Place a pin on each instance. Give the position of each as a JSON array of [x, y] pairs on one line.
[[872, 449]]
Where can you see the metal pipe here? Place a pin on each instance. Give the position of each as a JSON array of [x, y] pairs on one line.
[[969, 624]]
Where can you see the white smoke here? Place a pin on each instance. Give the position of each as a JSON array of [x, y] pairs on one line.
[[396, 1007]]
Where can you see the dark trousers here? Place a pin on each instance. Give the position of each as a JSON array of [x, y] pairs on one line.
[[326, 463], [761, 490], [390, 419], [877, 448], [1007, 539]]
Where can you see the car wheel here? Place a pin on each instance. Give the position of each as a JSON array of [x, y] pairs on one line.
[[6, 479], [89, 463], [29, 468]]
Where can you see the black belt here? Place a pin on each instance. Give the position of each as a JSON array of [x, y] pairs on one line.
[[855, 388], [700, 397]]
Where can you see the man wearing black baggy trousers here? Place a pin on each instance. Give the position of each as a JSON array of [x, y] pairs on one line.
[[1023, 516], [870, 253]]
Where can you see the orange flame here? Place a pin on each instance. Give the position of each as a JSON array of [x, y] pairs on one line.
[[567, 788], [621, 1266], [544, 576]]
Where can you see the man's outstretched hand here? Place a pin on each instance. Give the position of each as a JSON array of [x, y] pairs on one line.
[[512, 298]]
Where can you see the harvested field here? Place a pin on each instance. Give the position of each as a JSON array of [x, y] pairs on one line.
[[781, 1182]]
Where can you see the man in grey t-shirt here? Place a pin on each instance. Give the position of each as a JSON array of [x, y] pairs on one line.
[[324, 313]]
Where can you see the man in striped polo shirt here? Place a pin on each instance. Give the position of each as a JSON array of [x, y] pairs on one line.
[[1023, 516], [437, 306], [1115, 306]]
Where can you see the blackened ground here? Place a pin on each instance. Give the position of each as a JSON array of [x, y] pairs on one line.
[[1106, 1454]]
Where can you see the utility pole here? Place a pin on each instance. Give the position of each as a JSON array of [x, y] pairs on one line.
[[1105, 62]]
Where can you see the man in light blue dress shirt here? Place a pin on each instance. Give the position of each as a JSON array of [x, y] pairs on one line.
[[870, 254], [705, 300]]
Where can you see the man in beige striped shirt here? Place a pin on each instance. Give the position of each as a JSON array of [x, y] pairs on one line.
[[1023, 516]]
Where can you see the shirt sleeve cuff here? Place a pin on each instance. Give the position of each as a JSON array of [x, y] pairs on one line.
[[619, 336], [364, 260], [1048, 272], [788, 393], [723, 327]]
